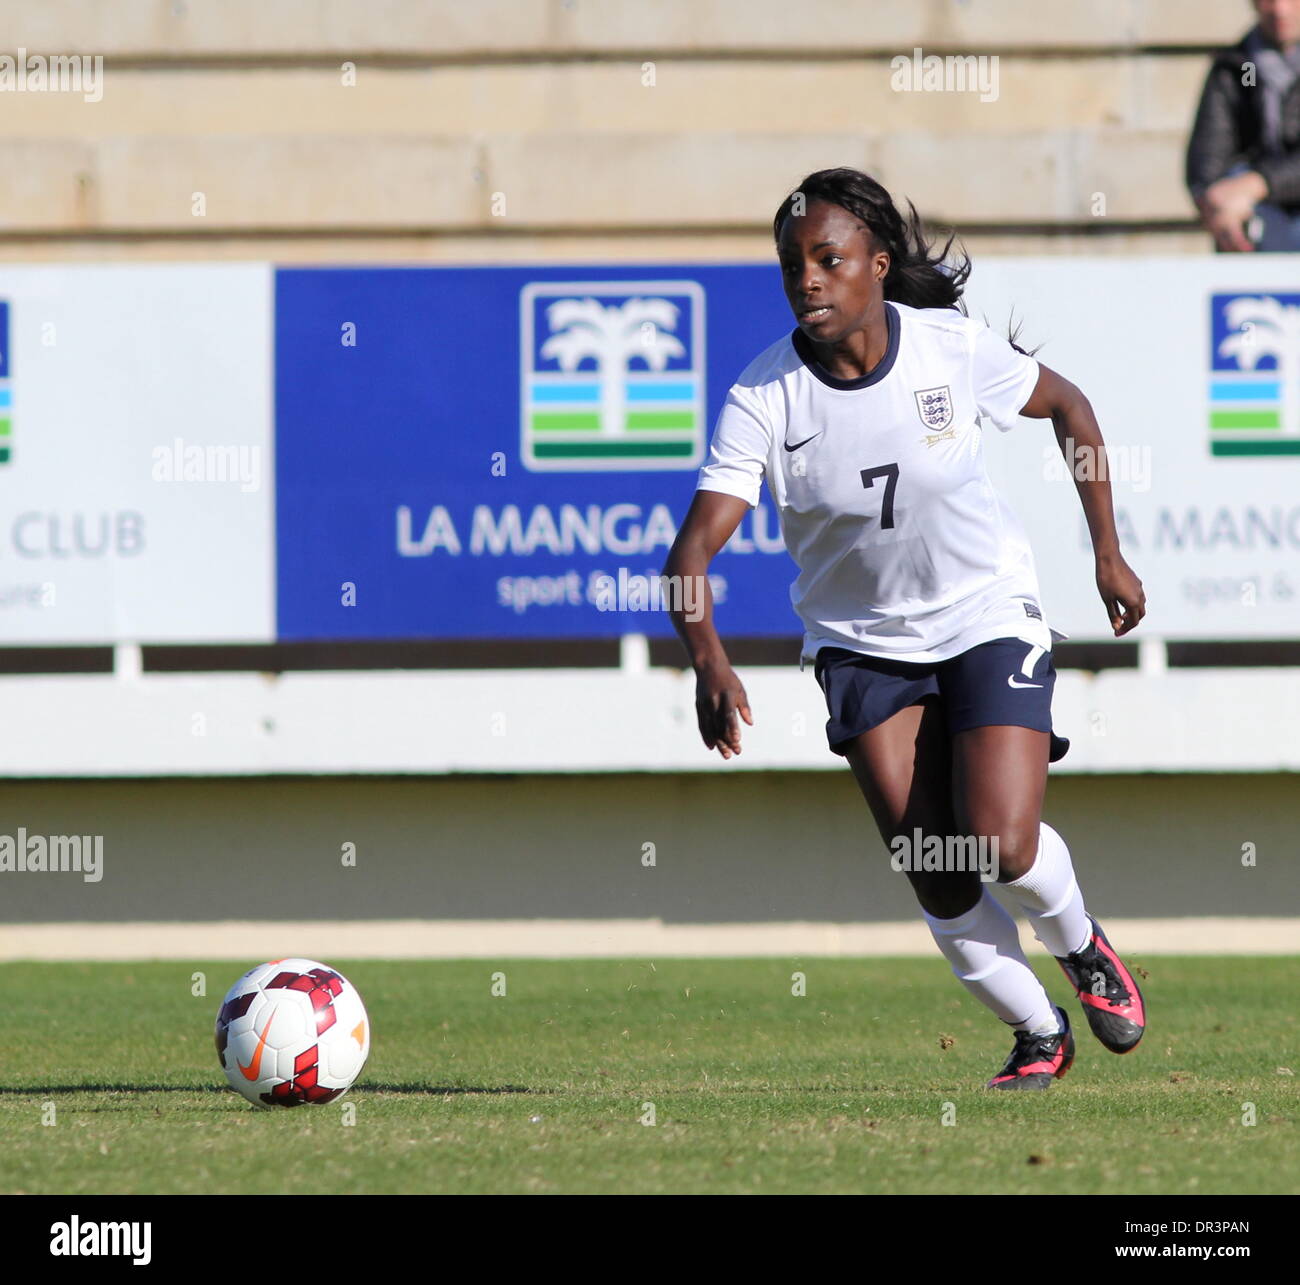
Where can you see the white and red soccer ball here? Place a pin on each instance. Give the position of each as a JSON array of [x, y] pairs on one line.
[[292, 1032]]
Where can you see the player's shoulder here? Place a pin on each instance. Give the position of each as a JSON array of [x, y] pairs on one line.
[[775, 362], [951, 335], [943, 324], [758, 387]]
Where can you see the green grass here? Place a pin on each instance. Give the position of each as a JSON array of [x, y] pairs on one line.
[[754, 1090]]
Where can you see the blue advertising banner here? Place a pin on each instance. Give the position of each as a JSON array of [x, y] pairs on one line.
[[507, 452]]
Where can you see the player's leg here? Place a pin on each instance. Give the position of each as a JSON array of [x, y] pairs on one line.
[[1000, 777], [885, 721], [903, 768], [1044, 1044]]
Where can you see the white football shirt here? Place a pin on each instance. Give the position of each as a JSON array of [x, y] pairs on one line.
[[903, 547]]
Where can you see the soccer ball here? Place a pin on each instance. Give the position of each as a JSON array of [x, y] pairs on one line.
[[291, 1032]]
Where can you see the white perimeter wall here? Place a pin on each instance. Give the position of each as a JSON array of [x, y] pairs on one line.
[[565, 721]]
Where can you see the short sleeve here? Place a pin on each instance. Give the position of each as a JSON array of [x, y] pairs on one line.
[[739, 450], [1002, 378]]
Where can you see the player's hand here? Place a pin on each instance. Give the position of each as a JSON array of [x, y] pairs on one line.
[[1121, 591], [719, 697]]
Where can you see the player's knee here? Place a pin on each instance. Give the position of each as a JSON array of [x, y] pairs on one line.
[[1015, 852], [946, 895]]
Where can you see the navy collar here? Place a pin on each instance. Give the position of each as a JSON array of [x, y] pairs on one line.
[[803, 347]]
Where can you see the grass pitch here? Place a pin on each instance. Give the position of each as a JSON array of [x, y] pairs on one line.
[[753, 1088]]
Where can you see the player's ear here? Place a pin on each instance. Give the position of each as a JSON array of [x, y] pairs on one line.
[[879, 256]]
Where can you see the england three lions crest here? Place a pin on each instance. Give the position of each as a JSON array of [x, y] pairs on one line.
[[934, 406]]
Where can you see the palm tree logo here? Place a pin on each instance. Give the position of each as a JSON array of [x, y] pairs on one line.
[[1265, 327], [613, 335], [6, 393], [613, 385], [1254, 411]]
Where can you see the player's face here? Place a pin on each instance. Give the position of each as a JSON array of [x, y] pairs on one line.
[[832, 271]]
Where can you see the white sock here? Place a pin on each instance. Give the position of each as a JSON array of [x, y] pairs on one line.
[[1050, 896], [983, 948]]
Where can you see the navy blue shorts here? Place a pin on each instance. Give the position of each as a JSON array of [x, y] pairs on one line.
[[1006, 681]]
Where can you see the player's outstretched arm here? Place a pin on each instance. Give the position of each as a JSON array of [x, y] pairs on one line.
[[719, 695], [1079, 437]]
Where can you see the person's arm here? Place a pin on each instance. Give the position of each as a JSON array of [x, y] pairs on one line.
[[1055, 398], [1225, 203], [1215, 140], [1281, 178], [719, 696]]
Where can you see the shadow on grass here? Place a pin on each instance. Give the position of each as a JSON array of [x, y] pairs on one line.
[[39, 1089], [443, 1089], [435, 1090]]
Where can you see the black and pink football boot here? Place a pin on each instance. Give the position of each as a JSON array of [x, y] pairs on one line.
[[1106, 989], [1039, 1059]]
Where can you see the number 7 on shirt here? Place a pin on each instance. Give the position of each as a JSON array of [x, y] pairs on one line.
[[890, 471]]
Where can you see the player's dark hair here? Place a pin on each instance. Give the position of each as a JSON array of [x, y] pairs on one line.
[[918, 276]]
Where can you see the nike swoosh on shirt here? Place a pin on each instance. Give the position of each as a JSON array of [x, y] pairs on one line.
[[797, 445], [1011, 682]]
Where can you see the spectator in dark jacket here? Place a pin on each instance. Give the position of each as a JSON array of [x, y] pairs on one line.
[[1243, 160]]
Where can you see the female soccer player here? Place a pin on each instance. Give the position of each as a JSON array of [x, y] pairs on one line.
[[917, 589]]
